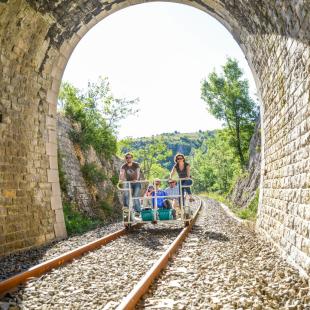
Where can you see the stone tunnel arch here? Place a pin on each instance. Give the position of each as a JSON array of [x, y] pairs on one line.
[[37, 39]]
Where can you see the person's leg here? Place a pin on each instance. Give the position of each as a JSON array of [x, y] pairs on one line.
[[187, 189], [126, 195], [136, 187]]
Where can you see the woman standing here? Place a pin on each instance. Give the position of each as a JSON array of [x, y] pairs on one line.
[[183, 170]]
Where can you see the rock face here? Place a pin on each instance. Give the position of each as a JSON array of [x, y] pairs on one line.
[[71, 159], [246, 187]]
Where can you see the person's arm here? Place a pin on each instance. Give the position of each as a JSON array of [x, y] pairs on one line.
[[122, 174], [172, 172], [188, 171], [138, 173]]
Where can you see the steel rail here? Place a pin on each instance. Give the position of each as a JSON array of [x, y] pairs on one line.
[[131, 300], [56, 262]]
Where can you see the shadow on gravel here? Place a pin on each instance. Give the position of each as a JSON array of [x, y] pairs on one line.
[[15, 263], [152, 238], [215, 236]]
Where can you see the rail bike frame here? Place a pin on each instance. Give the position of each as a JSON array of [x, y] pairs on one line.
[[129, 217]]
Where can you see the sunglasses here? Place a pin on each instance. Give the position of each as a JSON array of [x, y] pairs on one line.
[[171, 182], [180, 158], [128, 157]]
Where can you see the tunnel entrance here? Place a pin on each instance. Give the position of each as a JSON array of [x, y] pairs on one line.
[[37, 39]]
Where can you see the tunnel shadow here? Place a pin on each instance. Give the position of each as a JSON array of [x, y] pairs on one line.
[[152, 238], [16, 263]]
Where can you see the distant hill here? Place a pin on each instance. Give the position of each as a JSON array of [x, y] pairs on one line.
[[184, 143]]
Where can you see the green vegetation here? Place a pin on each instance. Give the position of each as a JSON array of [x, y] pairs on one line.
[[250, 212], [168, 145], [227, 98], [97, 114], [246, 214], [92, 174], [152, 154], [114, 179], [77, 223], [218, 158]]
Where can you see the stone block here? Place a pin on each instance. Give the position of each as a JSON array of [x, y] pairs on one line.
[[51, 149], [56, 190], [52, 176], [60, 230], [9, 193], [50, 123], [52, 137], [53, 163], [59, 216], [56, 203]]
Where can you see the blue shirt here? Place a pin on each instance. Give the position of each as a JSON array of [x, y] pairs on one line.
[[160, 199]]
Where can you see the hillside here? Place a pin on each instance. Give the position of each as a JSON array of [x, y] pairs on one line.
[[177, 142]]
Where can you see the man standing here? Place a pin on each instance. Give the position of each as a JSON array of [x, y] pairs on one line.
[[130, 174]]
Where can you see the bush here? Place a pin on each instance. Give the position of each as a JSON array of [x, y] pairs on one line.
[[77, 223], [114, 179], [92, 174], [251, 211]]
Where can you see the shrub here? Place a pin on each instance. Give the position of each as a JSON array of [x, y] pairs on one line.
[[251, 211], [114, 179], [77, 223], [92, 174]]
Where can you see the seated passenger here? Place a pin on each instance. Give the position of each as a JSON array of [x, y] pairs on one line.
[[147, 200], [173, 193], [162, 201], [160, 195]]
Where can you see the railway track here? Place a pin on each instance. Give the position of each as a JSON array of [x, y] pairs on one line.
[[160, 243]]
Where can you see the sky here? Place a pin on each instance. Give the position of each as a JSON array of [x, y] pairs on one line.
[[159, 52]]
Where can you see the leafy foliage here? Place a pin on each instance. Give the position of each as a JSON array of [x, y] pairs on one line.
[[215, 170], [227, 97], [98, 114], [250, 212], [173, 143], [149, 155], [92, 174], [77, 223]]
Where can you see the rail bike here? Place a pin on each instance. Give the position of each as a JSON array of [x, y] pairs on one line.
[[179, 209]]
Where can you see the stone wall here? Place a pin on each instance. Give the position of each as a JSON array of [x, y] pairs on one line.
[[37, 38]]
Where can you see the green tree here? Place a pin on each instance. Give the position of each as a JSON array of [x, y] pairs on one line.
[[150, 155], [113, 109], [216, 169], [97, 112], [227, 97]]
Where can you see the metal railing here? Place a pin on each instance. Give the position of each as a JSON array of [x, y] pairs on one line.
[[128, 211]]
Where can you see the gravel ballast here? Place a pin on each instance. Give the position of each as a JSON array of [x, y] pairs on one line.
[[221, 265]]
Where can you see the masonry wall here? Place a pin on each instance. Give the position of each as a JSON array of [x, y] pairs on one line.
[[37, 39]]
